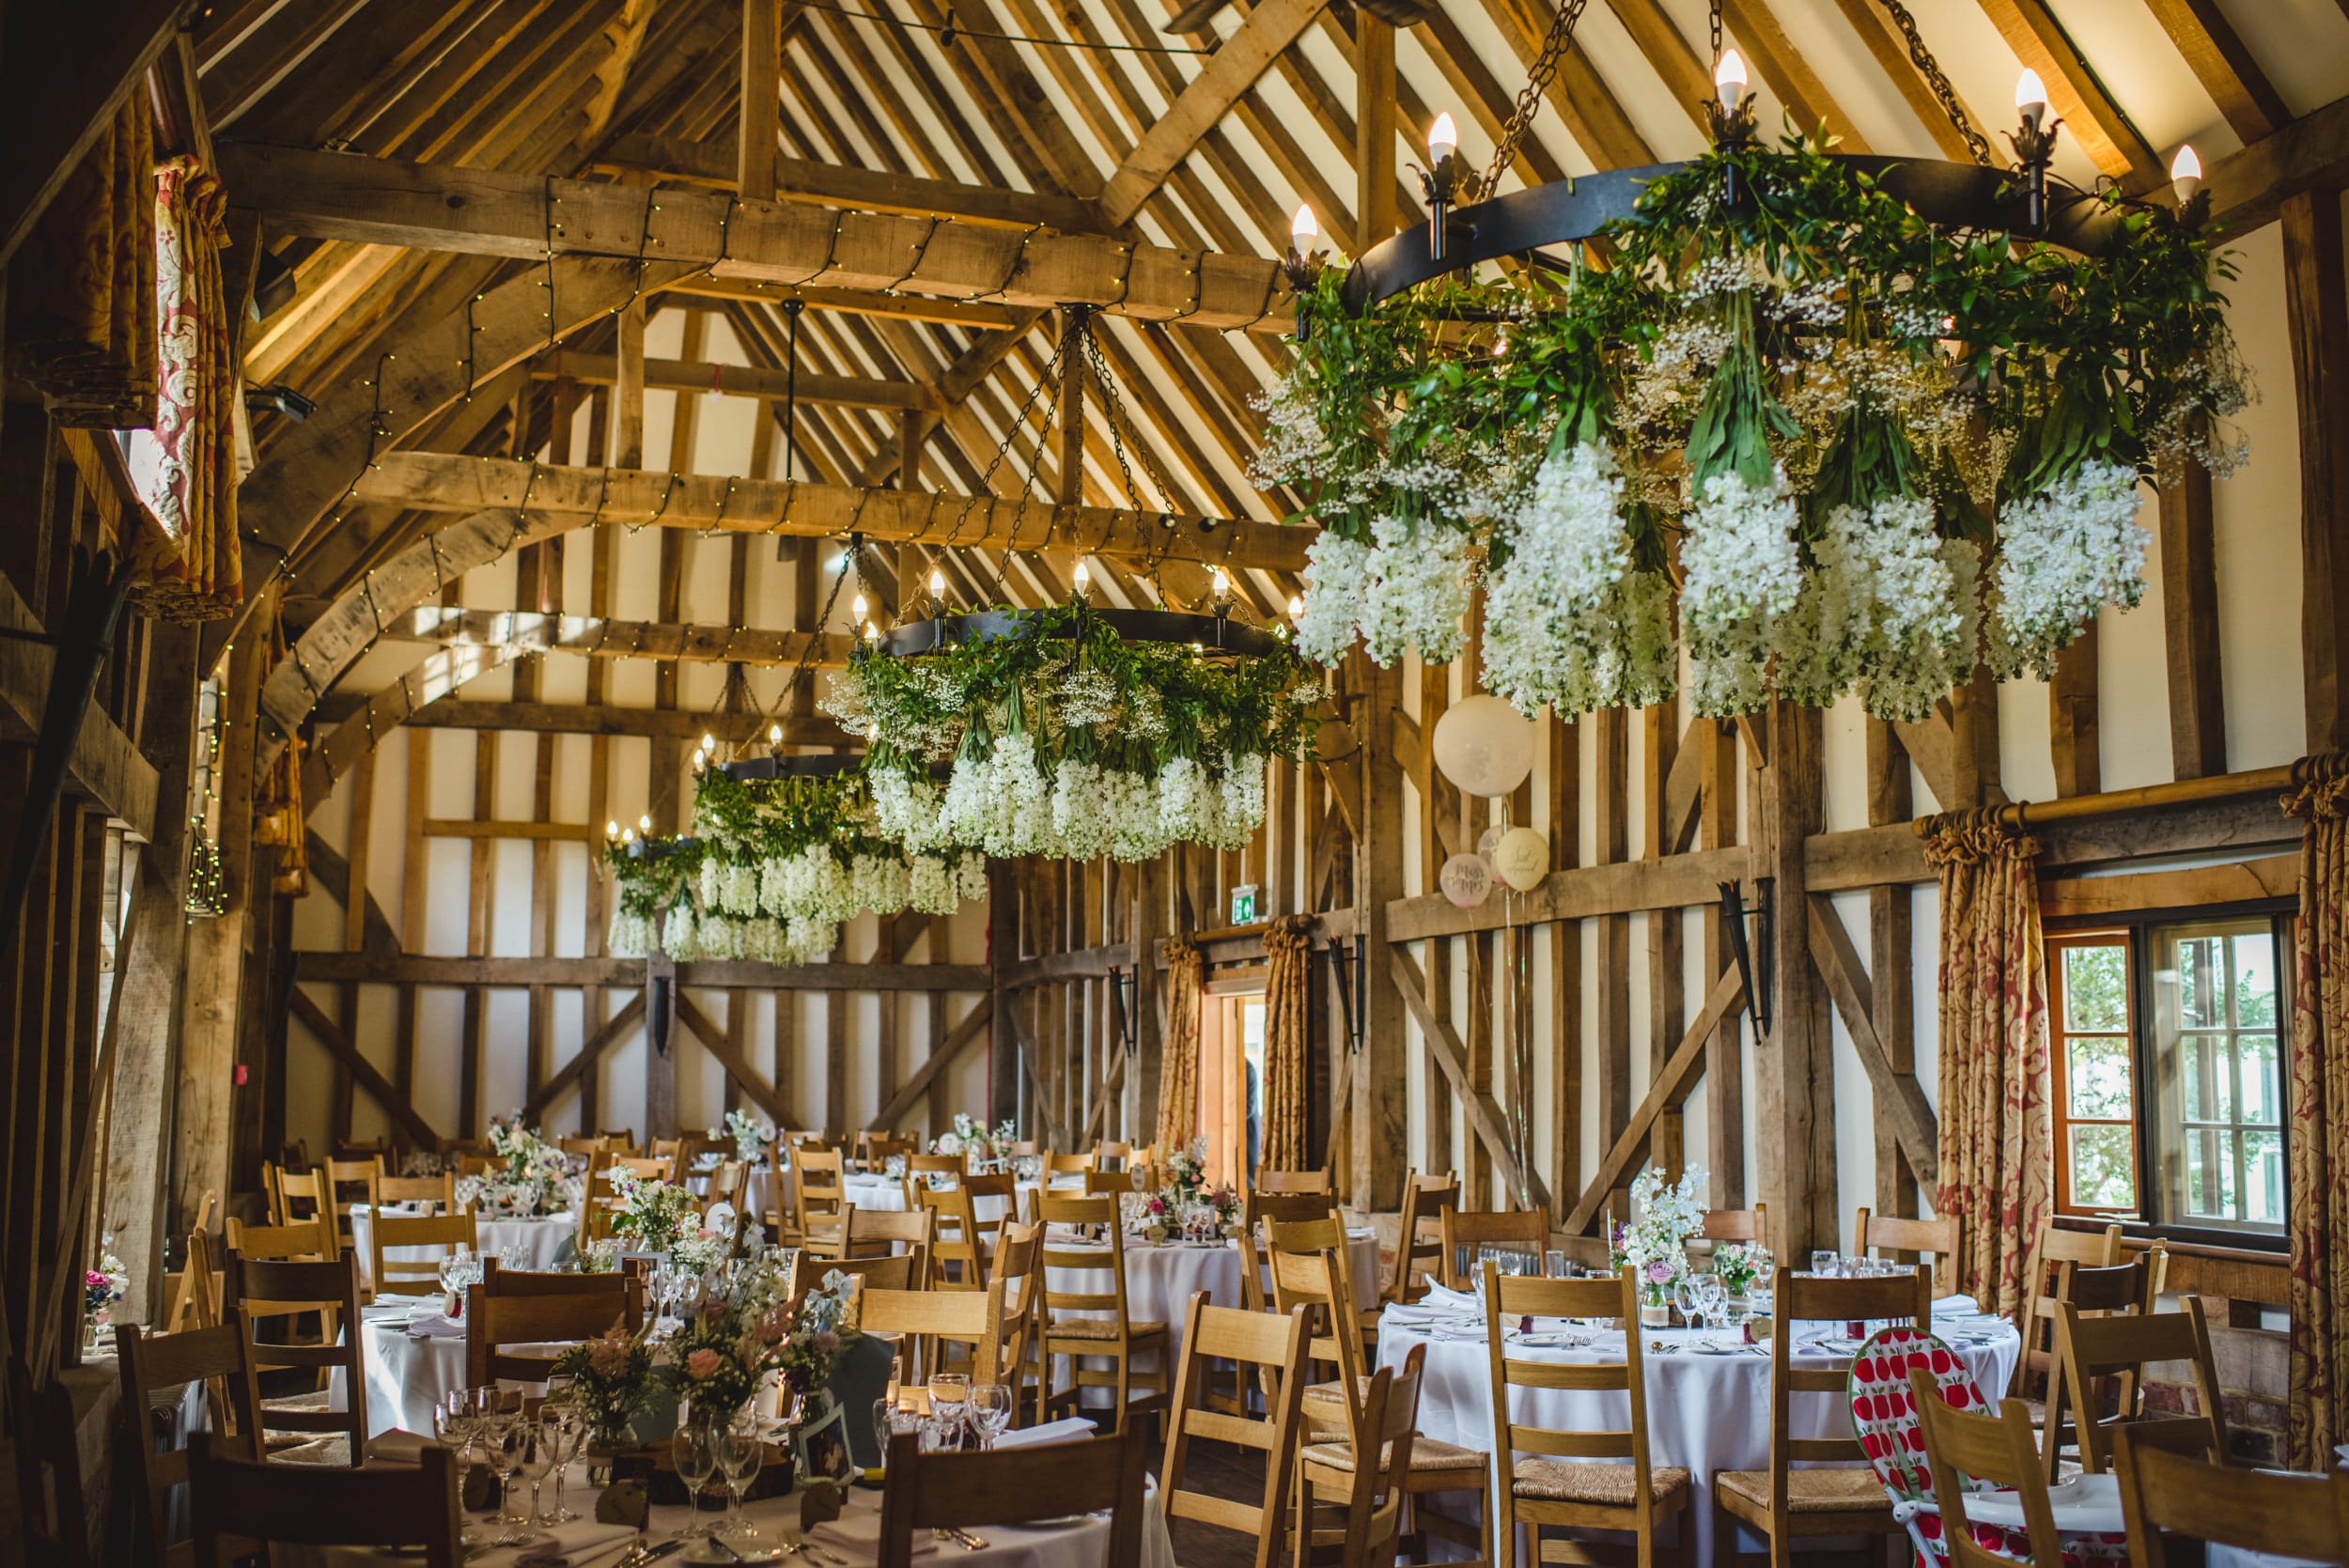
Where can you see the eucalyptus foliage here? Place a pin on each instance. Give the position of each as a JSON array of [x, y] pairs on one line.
[[1859, 452]]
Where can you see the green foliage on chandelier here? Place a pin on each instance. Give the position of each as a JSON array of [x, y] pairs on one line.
[[757, 820]]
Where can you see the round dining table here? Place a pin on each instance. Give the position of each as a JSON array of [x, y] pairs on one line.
[[534, 1242], [868, 1189], [851, 1541], [412, 1357], [1708, 1394]]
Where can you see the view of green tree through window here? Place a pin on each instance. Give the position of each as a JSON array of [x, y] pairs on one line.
[[2094, 1074]]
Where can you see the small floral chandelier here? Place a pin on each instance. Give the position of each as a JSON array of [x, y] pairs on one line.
[[1860, 421]]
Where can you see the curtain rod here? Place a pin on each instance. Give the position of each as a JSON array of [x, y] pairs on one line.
[[2220, 786]]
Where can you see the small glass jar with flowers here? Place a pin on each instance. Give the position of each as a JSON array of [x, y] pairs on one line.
[[1738, 1264], [609, 1383], [1656, 1240]]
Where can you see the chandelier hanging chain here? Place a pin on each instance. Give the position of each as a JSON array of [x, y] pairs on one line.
[[1113, 409], [1050, 381], [1528, 103], [1713, 24], [1976, 142]]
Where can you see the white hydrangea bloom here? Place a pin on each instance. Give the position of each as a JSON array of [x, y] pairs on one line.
[[1183, 800], [1337, 575], [968, 807], [930, 886], [1131, 804], [2062, 556], [762, 939], [631, 935], [738, 889], [1243, 793], [1547, 613], [1417, 592], [1079, 809], [678, 935]]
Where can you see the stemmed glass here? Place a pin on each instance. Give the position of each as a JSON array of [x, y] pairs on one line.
[[559, 1429], [1692, 1301], [453, 1429], [541, 1447], [990, 1411], [950, 1393], [1712, 1297], [694, 1451], [507, 1443], [741, 1448]]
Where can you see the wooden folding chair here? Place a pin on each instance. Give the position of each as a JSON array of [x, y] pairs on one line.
[[303, 1241], [193, 1295], [155, 1369], [730, 1184], [1070, 1330], [1111, 1183], [1065, 1165], [1275, 1348], [922, 1169], [2166, 1495], [440, 1192], [819, 1204], [1963, 1446], [1111, 1155], [1316, 1182], [513, 1307], [1288, 1208], [262, 1289], [958, 1250], [238, 1501], [1781, 1504], [1419, 1236], [349, 1182], [1910, 1241], [875, 1149], [1745, 1225], [1309, 1271], [927, 1321], [583, 1144], [1011, 1486], [1525, 1231], [390, 1232], [1561, 1486], [2125, 1290], [2114, 1351], [1368, 1527], [808, 1271]]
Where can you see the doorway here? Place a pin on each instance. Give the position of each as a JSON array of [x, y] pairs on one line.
[[1230, 1084]]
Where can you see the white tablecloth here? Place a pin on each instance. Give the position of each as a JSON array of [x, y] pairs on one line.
[[869, 1191], [537, 1239], [1082, 1544], [1707, 1413], [407, 1378]]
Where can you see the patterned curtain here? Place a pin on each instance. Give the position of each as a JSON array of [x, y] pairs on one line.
[[1288, 960], [190, 478], [2318, 1099], [1996, 1144], [1179, 1062], [82, 304]]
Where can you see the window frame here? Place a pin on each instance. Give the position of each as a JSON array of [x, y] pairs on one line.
[[2059, 1063], [2139, 925]]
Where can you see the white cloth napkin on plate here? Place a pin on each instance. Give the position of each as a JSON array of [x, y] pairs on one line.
[[396, 1446], [436, 1326], [856, 1534], [1959, 1306], [579, 1541], [1452, 1303], [1069, 1429]]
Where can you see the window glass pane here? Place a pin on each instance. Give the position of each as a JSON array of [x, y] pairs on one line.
[[2217, 1158], [2104, 1174], [2096, 988], [2097, 1078]]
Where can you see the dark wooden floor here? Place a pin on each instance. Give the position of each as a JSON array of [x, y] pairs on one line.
[[1221, 1470]]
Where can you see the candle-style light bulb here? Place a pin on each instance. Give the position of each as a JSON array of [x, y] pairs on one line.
[[1303, 230], [2185, 173], [1223, 583], [857, 607], [774, 735], [1083, 574], [643, 823], [611, 829], [938, 583], [1728, 78], [1443, 138], [872, 632], [2031, 97], [709, 742], [628, 835], [1297, 606]]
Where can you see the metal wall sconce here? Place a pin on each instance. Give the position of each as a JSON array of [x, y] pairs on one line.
[[1765, 939]]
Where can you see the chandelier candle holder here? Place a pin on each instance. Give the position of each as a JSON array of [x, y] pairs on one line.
[[1076, 730], [1822, 424]]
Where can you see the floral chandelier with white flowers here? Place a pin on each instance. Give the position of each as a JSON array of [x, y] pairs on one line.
[[1851, 424]]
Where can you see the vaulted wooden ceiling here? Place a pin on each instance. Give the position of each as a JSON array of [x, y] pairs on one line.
[[1194, 151]]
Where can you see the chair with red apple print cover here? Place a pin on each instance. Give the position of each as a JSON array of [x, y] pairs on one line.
[[1884, 1417]]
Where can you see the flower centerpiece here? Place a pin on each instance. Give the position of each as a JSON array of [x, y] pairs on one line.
[[532, 1180], [735, 1338], [1656, 1240], [611, 1383], [752, 1137], [978, 1143], [1856, 448], [1185, 1199], [104, 1284], [653, 1214], [1738, 1264]]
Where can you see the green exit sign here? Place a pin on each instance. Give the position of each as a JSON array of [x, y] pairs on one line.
[[1244, 903]]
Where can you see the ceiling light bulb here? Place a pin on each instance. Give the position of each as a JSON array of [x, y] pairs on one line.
[[2031, 97], [643, 823], [628, 835], [611, 829], [1223, 583], [709, 742], [857, 607], [1303, 231], [1084, 577], [872, 632], [1296, 607], [1728, 78], [1444, 139], [938, 583], [774, 735], [2185, 173]]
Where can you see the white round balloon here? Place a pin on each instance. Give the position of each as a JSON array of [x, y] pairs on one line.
[[1490, 839], [1465, 880], [1484, 746], [1521, 858]]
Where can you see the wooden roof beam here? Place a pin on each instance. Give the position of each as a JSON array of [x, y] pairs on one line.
[[1883, 38], [2226, 70], [2031, 30], [489, 212], [810, 182], [741, 381], [600, 637], [2247, 188], [903, 307]]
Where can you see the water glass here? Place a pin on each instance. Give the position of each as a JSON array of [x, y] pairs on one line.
[[561, 1429], [505, 1442], [1824, 1264], [694, 1452], [742, 1449], [1554, 1266], [992, 1411], [950, 1394], [540, 1451]]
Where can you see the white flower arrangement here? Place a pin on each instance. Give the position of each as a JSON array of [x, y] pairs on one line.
[[1655, 1241], [752, 1137], [1743, 573], [1417, 591], [1337, 579], [2063, 554]]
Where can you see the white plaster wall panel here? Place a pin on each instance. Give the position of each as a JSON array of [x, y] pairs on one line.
[[2026, 738], [2132, 684]]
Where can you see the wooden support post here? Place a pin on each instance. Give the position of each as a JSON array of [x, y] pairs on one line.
[[628, 391], [2189, 610], [760, 105], [2317, 316], [1565, 974], [1724, 1053], [1381, 1111], [1373, 130], [1795, 1065], [1612, 766], [1974, 743], [1661, 737], [2072, 714], [1891, 961]]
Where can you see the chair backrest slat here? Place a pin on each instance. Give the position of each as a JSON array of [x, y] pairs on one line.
[[155, 1367], [2115, 1350], [269, 1288], [1275, 1347], [445, 1232], [1013, 1485], [238, 1501], [514, 1307], [2166, 1493], [1524, 1230], [1961, 1445], [1418, 1239]]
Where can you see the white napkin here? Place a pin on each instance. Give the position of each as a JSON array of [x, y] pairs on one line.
[[436, 1326], [1069, 1429], [857, 1533], [1452, 1303], [1959, 1306], [579, 1541], [396, 1448]]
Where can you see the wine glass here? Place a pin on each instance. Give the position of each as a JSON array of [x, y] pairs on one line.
[[453, 1429], [1692, 1301], [1712, 1297], [540, 1450], [992, 1411], [950, 1393], [560, 1428], [741, 1448], [506, 1442], [694, 1452]]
